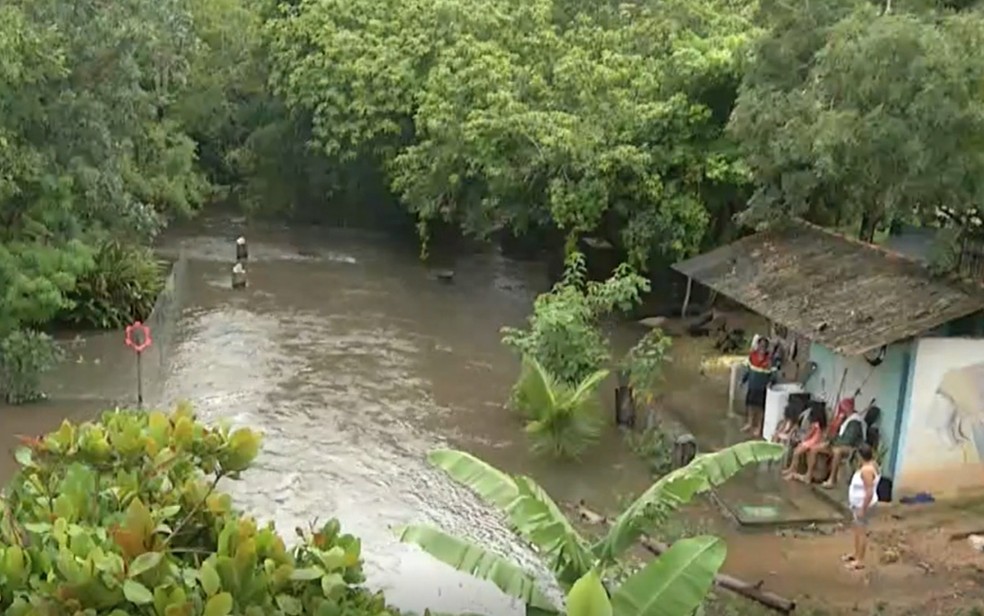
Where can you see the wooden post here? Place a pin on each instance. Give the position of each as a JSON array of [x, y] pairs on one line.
[[686, 297], [238, 276], [242, 251], [684, 450], [139, 381], [745, 589], [625, 408]]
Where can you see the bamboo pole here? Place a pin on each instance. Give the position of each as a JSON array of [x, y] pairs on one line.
[[686, 299], [727, 582]]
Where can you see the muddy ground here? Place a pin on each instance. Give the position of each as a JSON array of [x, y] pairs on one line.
[[914, 566]]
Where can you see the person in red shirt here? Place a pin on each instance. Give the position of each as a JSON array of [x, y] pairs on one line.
[[758, 374], [844, 410]]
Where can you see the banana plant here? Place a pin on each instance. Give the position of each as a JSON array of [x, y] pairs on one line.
[[562, 420], [588, 597], [675, 584]]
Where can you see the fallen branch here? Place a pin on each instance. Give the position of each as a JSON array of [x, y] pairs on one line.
[[745, 589], [965, 535]]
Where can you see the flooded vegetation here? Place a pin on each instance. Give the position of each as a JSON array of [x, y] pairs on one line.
[[432, 252], [354, 362]]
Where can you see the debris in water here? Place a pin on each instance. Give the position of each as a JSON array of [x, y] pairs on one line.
[[976, 542]]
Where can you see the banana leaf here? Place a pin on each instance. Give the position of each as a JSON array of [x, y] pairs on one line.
[[478, 562], [530, 510], [489, 483], [588, 597], [538, 519], [677, 488], [676, 583]]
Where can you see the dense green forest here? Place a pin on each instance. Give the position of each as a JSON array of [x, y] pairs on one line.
[[662, 127]]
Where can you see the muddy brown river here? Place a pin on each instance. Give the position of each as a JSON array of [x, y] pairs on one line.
[[354, 360]]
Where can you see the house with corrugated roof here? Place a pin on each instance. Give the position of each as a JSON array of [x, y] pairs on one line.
[[880, 325]]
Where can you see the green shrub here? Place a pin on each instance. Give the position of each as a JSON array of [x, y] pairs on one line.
[[122, 516], [564, 333], [643, 364], [25, 355], [655, 446], [120, 287]]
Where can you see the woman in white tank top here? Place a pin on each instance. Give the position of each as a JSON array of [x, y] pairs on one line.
[[862, 495]]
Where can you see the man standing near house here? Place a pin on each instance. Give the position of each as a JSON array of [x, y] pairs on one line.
[[758, 374]]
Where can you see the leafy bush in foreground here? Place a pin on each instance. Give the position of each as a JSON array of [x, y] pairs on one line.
[[122, 516]]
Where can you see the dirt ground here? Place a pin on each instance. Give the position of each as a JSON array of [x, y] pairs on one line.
[[914, 567]]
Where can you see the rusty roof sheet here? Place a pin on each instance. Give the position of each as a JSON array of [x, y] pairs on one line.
[[850, 296]]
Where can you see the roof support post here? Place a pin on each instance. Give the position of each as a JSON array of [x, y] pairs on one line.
[[686, 298]]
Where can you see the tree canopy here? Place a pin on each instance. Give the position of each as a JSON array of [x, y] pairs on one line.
[[861, 114], [591, 118], [662, 127]]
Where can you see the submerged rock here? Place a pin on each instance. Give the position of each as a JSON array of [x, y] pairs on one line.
[[653, 322]]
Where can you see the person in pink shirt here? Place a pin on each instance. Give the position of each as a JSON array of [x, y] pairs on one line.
[[814, 439]]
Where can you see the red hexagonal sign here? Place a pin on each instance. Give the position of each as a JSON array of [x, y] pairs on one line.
[[138, 337]]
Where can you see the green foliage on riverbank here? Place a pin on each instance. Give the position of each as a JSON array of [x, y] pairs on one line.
[[114, 123], [567, 355], [648, 124], [123, 516], [497, 114], [656, 126], [121, 286]]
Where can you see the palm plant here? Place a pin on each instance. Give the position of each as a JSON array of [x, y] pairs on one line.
[[674, 584], [562, 420]]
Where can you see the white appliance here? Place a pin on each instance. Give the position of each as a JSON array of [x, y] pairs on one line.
[[776, 398]]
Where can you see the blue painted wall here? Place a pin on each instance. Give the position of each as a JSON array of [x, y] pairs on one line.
[[903, 420], [886, 383]]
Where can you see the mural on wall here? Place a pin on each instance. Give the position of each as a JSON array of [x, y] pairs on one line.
[[945, 430], [957, 412]]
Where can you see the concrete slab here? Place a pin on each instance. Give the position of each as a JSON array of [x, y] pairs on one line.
[[759, 497]]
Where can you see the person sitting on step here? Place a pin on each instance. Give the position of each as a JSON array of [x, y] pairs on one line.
[[813, 440], [845, 408], [787, 428], [854, 432]]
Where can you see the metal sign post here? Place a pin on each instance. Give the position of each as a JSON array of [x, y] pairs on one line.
[[138, 338]]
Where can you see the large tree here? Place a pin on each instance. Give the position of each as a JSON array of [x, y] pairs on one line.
[[862, 114], [497, 114]]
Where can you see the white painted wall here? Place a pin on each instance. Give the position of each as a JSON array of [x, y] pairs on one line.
[[942, 444], [831, 367]]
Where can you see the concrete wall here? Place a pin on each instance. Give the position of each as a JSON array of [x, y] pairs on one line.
[[886, 383], [942, 445]]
